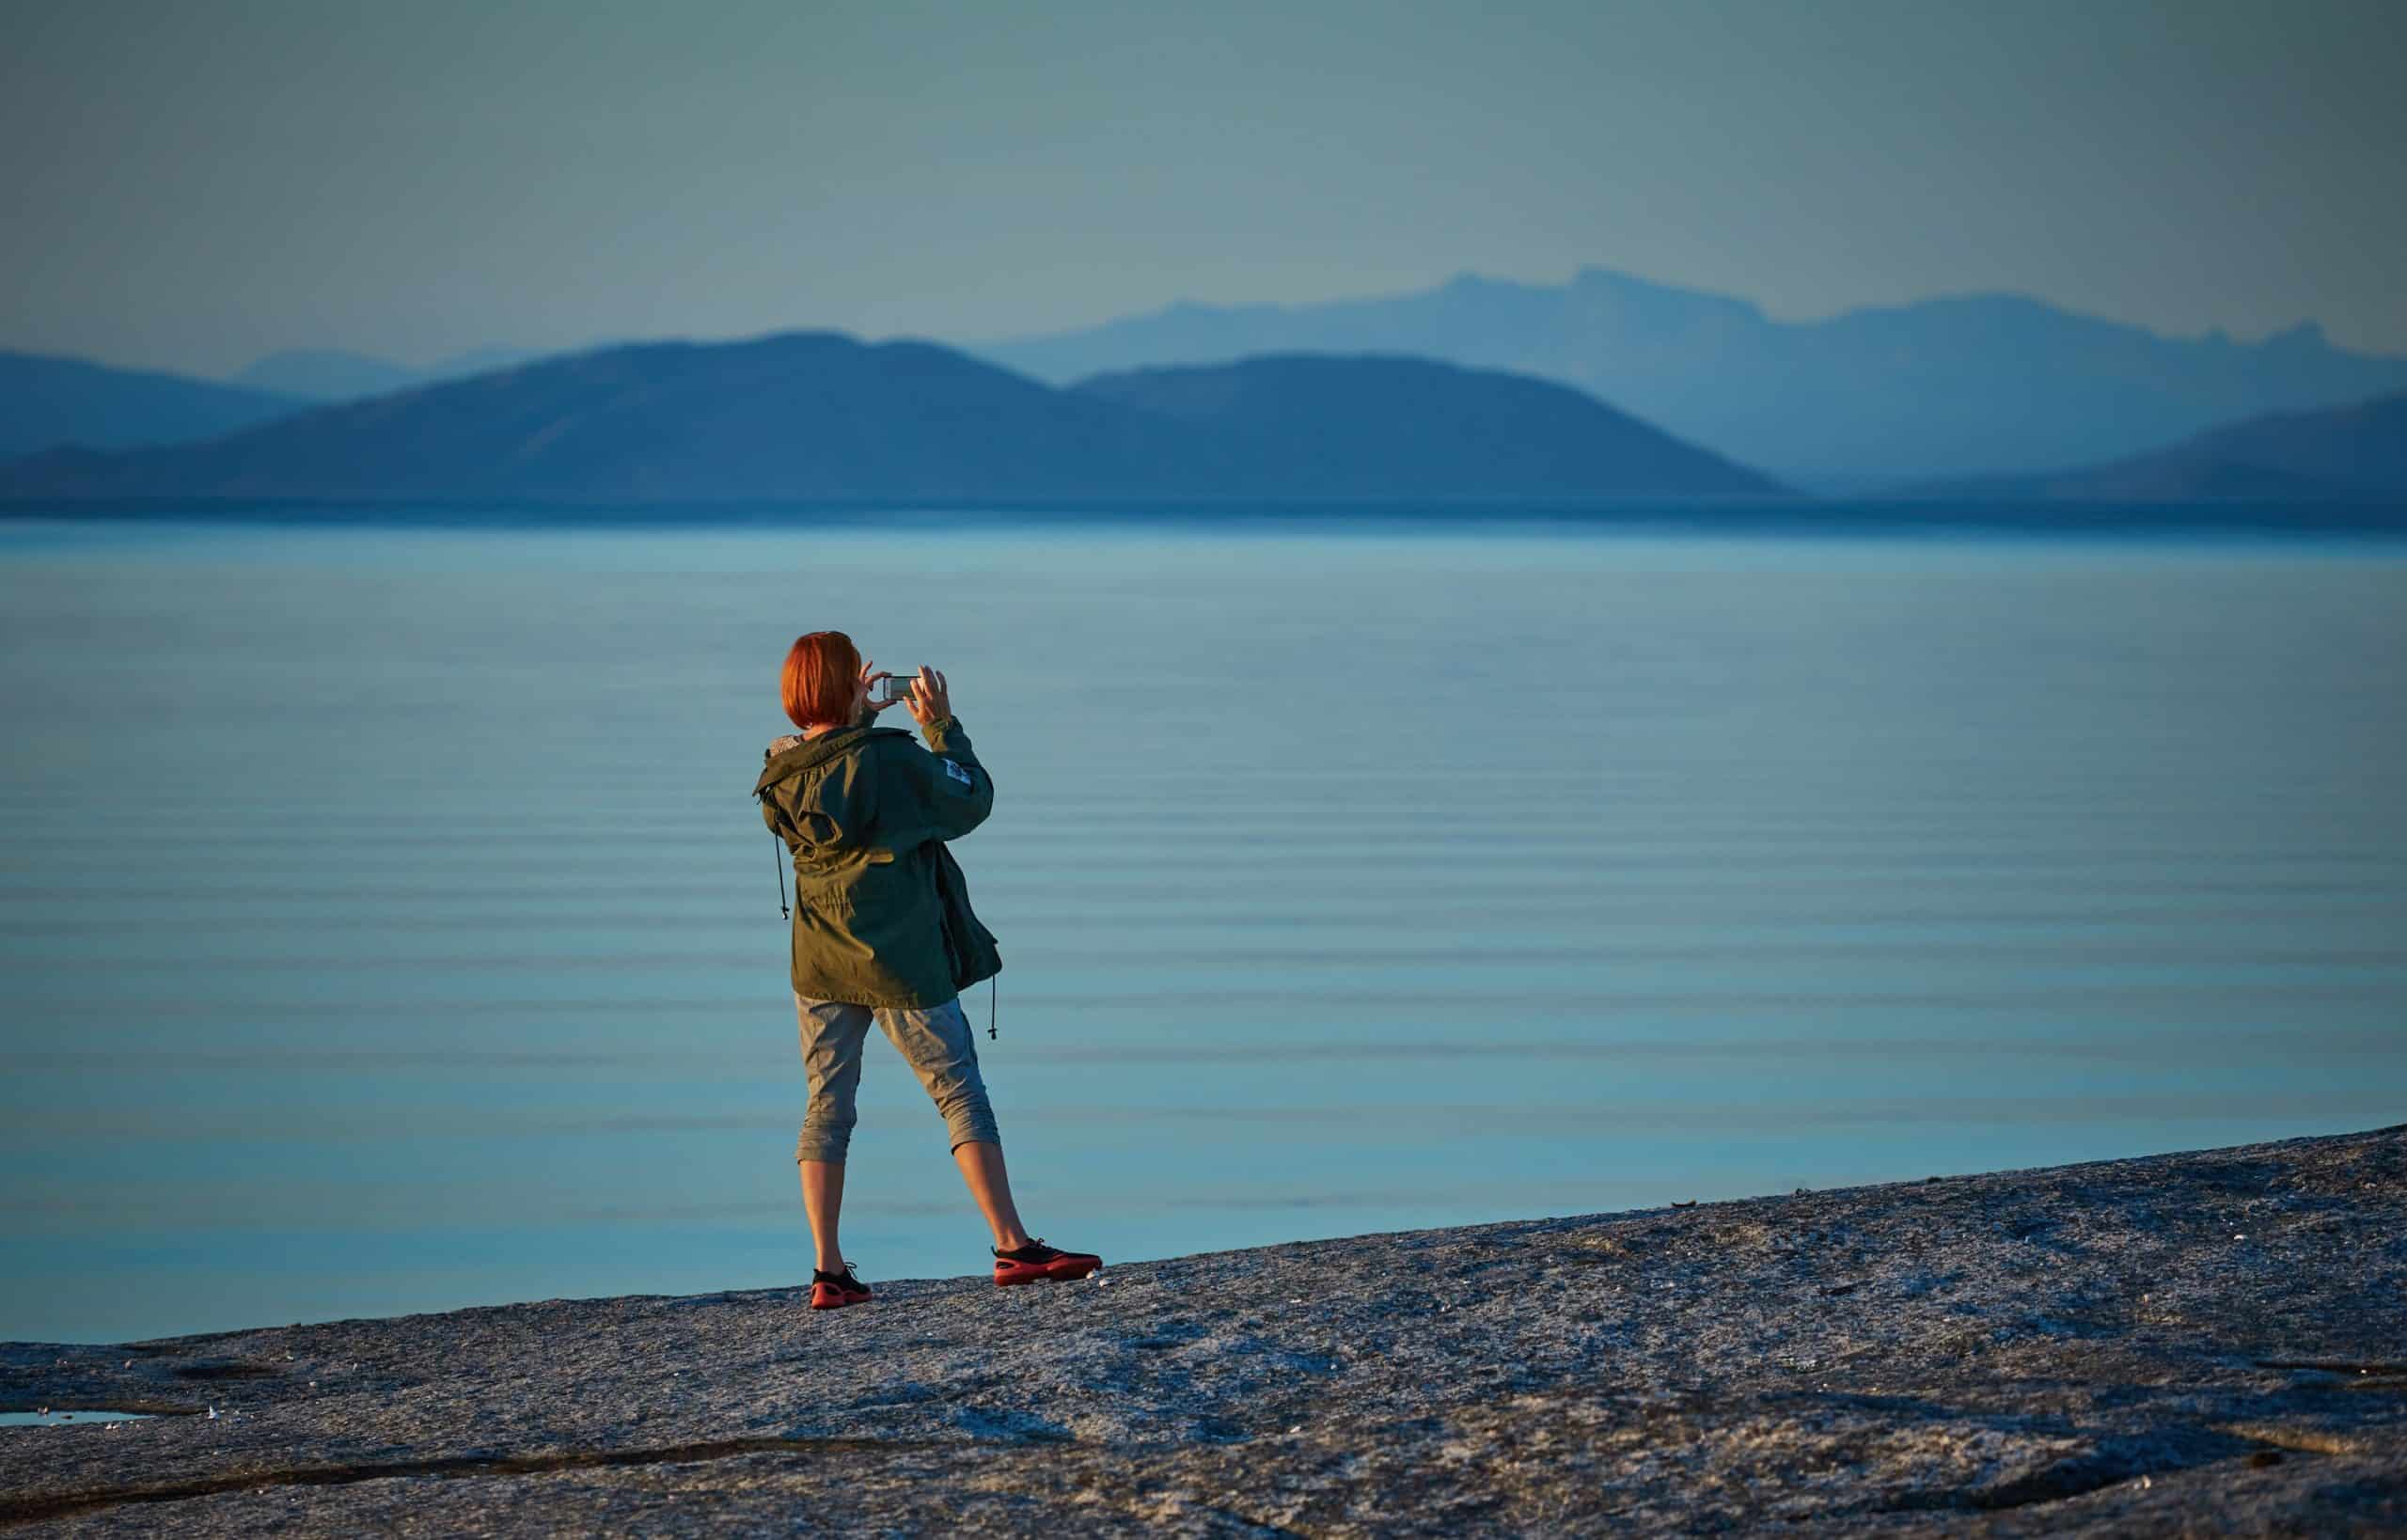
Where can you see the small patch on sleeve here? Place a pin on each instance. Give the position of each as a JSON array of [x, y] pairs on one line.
[[960, 775]]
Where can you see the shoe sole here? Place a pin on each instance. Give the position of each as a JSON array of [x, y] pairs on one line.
[[840, 1304], [1051, 1273]]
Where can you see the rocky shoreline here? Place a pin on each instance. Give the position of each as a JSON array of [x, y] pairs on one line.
[[2209, 1342]]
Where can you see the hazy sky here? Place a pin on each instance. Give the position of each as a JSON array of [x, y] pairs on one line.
[[189, 184]]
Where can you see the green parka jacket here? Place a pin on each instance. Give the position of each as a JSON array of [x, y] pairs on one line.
[[881, 913]]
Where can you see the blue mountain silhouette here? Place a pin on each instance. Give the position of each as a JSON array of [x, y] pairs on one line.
[[2356, 452], [1963, 385], [46, 401], [820, 416]]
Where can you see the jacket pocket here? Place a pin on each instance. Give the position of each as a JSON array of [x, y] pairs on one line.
[[830, 898]]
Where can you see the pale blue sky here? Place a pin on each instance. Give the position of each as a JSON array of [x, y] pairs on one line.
[[189, 186]]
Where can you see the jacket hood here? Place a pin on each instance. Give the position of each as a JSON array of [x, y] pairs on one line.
[[823, 811], [794, 753]]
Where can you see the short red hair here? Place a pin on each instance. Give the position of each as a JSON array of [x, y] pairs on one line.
[[822, 670]]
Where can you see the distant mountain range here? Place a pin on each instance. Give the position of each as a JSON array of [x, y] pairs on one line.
[[333, 374], [2351, 452], [1457, 391], [1970, 385], [46, 401], [821, 416], [1326, 425]]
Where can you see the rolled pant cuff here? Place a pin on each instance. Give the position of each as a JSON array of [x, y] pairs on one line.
[[973, 1130], [828, 1147]]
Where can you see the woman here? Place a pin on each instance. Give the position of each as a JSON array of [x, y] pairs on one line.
[[883, 932]]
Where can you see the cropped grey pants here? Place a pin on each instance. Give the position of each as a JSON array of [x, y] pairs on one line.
[[936, 1044]]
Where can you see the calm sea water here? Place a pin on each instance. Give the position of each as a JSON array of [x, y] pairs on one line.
[[385, 923]]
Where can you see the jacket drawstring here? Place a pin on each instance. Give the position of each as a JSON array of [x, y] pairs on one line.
[[780, 845]]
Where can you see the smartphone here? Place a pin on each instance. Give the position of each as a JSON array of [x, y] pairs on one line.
[[897, 689]]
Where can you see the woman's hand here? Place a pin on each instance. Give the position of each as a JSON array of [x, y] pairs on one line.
[[870, 704], [930, 700]]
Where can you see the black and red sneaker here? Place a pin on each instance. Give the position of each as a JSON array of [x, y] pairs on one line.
[[1037, 1262], [834, 1291]]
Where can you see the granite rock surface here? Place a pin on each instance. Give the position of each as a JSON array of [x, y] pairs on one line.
[[2210, 1342]]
